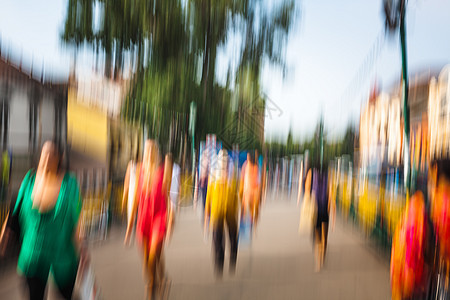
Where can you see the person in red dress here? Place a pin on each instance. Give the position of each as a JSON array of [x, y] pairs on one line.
[[152, 214]]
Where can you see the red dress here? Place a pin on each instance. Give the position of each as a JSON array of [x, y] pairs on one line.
[[152, 214]]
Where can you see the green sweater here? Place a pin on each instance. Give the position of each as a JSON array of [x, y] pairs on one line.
[[48, 238]]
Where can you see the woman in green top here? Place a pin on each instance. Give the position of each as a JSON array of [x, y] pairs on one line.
[[47, 211]]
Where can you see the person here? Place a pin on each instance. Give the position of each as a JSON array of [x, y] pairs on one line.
[[320, 188], [265, 171], [249, 189], [5, 174], [204, 174], [439, 195], [130, 187], [408, 269], [46, 213], [308, 212], [175, 186], [152, 212], [222, 209]]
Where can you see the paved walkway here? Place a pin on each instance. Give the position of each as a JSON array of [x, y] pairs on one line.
[[277, 265]]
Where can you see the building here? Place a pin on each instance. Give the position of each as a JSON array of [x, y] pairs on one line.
[[32, 111], [382, 123], [439, 115], [101, 143]]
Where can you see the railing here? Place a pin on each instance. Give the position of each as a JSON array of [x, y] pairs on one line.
[[375, 209], [95, 210]]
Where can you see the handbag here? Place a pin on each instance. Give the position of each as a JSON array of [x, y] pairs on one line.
[[10, 233], [88, 289], [307, 215], [245, 230]]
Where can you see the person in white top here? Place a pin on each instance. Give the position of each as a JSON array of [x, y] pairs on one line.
[[129, 188], [175, 186]]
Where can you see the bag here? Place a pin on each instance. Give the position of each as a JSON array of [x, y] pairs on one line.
[[245, 229], [87, 289], [307, 216], [10, 231]]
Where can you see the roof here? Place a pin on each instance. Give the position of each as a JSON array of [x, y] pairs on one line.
[[420, 76], [13, 72]]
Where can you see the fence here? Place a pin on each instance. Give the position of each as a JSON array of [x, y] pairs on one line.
[[375, 205], [95, 210]]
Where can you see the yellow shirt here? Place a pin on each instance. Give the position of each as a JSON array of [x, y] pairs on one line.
[[221, 199]]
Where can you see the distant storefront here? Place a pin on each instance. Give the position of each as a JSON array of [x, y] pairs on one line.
[[95, 129]]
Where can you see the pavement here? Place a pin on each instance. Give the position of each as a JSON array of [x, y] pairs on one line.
[[277, 264]]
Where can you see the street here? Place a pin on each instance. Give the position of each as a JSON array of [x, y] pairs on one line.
[[278, 264]]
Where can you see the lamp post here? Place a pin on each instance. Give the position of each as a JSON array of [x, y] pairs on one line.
[[192, 119], [395, 11], [321, 143]]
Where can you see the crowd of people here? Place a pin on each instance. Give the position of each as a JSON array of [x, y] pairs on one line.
[[46, 213], [45, 217]]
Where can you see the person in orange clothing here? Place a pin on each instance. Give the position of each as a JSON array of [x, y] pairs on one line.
[[249, 189], [408, 269]]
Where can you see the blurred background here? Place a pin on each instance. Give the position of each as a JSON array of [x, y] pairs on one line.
[[364, 88]]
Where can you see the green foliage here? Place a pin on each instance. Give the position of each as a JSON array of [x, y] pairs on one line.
[[173, 45], [344, 146]]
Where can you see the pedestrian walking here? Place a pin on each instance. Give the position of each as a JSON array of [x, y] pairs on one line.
[[320, 188], [175, 186], [222, 210], [308, 209], [45, 216], [249, 189], [153, 212], [130, 187]]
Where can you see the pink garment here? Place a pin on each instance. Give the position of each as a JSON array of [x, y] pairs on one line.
[[152, 214], [443, 226], [415, 238]]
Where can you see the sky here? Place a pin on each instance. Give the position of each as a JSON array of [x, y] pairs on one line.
[[327, 46], [330, 44]]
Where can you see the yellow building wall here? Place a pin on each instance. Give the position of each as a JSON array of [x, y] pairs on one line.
[[87, 128]]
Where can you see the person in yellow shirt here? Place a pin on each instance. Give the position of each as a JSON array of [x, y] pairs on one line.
[[222, 208]]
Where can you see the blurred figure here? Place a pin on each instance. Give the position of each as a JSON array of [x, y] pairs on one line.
[[130, 187], [439, 195], [152, 216], [204, 174], [249, 189], [265, 171], [46, 213], [300, 184], [407, 256], [6, 163], [175, 186], [308, 210], [222, 208], [259, 161], [320, 187]]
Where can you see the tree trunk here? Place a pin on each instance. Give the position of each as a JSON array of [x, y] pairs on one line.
[[118, 62], [108, 64], [205, 74]]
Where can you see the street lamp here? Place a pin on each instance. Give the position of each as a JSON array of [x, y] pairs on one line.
[[395, 11]]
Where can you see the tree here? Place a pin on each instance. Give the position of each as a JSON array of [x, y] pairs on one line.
[[173, 46]]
